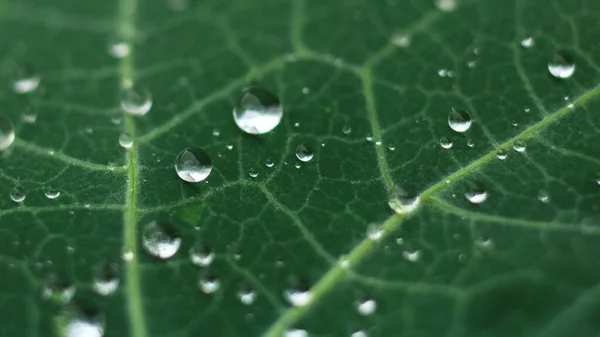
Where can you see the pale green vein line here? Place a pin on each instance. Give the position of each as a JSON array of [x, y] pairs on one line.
[[367, 84], [571, 153], [297, 20], [299, 224], [542, 225], [70, 207], [219, 94], [63, 157], [133, 296], [414, 286], [326, 283]]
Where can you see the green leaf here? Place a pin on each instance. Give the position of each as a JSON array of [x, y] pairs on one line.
[[344, 70]]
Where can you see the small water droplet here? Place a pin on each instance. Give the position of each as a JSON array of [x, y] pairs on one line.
[[136, 101], [519, 145], [269, 162], [543, 196], [296, 333], [127, 256], [201, 256], [401, 40], [118, 48], [392, 147], [476, 192], [209, 285], [369, 138], [346, 130], [258, 111], [528, 42], [216, 133], [252, 173], [445, 5], [470, 142], [7, 132], [26, 80], [445, 143], [484, 243], [229, 147], [561, 65], [297, 165], [125, 140], [28, 116], [160, 240], [359, 333], [17, 194], [297, 297], [58, 289], [375, 232], [412, 255], [459, 120], [76, 321], [106, 278], [247, 296], [51, 193], [501, 154], [305, 90], [367, 307], [304, 153], [193, 165], [402, 200]]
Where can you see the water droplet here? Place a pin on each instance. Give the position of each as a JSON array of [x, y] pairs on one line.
[[367, 307], [392, 147], [28, 116], [258, 111], [445, 5], [26, 80], [470, 142], [118, 48], [527, 42], [519, 145], [412, 255], [501, 154], [598, 181], [229, 147], [305, 90], [459, 120], [247, 296], [399, 241], [442, 72], [127, 256], [52, 193], [296, 333], [106, 278], [402, 200], [561, 65], [304, 153], [58, 289], [346, 130], [369, 138], [253, 173], [209, 285], [401, 40], [160, 240], [193, 165], [136, 101], [484, 243], [375, 232], [445, 143], [216, 133], [17, 194], [269, 162], [543, 196], [7, 132], [359, 333], [476, 193], [297, 297], [125, 140], [297, 165], [79, 322], [201, 256]]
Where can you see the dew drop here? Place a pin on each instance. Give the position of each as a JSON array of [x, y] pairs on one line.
[[561, 65], [401, 40], [269, 162], [402, 200], [7, 132], [58, 289], [527, 42], [125, 140], [193, 165], [296, 333], [445, 143], [459, 120], [476, 193], [52, 193], [470, 142], [501, 154], [127, 256], [346, 130], [392, 148], [26, 80], [247, 296], [118, 48], [304, 153], [136, 101], [412, 255], [29, 116], [367, 307], [160, 240], [375, 232], [106, 278], [17, 194], [519, 145], [359, 333], [258, 111], [543, 196], [297, 297], [209, 285], [78, 322], [216, 133], [201, 256], [252, 173], [484, 243], [297, 165], [445, 5], [305, 90]]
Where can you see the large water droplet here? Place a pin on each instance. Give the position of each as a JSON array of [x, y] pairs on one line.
[[445, 143], [367, 307], [459, 120], [201, 255], [51, 193], [304, 153], [26, 80], [136, 101], [160, 240], [561, 65], [402, 200], [445, 5], [519, 145], [106, 278], [125, 140], [209, 285], [17, 194], [7, 132], [298, 297], [476, 193], [78, 322], [58, 289], [193, 165], [258, 111]]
